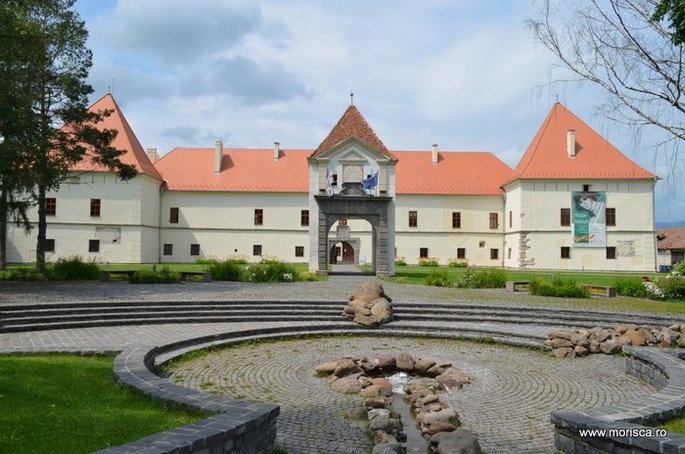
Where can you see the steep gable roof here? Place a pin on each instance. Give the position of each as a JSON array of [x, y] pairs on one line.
[[125, 140], [352, 124], [248, 170], [671, 238], [547, 156], [463, 172]]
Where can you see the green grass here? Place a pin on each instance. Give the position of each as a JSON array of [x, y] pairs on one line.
[[676, 425], [71, 404]]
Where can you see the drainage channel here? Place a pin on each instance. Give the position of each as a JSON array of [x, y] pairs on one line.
[[415, 443]]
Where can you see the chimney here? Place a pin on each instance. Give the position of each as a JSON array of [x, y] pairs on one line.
[[218, 156], [435, 153], [277, 150], [152, 155], [571, 143]]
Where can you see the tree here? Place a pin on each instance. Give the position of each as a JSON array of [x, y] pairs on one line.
[[675, 11], [62, 130], [621, 47], [16, 116]]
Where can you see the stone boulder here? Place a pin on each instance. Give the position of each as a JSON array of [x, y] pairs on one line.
[[460, 441], [369, 305]]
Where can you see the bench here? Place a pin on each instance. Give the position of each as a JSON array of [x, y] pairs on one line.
[[105, 275], [515, 286], [600, 290], [206, 275]]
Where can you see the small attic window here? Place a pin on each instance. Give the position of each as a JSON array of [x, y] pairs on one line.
[[586, 188]]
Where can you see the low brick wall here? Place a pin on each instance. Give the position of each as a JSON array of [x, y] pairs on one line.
[[236, 426], [621, 428]]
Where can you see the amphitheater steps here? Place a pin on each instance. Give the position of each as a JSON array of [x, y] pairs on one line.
[[32, 317]]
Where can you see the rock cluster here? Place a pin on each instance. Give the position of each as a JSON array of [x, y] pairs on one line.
[[369, 305], [581, 342], [439, 423]]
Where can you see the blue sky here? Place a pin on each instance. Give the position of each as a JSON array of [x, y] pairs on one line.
[[464, 74]]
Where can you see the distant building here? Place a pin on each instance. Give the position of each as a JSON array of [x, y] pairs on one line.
[[573, 202], [671, 245]]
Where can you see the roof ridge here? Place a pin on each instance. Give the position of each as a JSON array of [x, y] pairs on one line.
[[352, 124]]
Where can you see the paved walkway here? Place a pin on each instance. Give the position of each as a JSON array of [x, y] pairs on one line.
[[507, 405]]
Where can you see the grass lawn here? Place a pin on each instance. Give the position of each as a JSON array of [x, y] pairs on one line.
[[676, 425], [71, 404]]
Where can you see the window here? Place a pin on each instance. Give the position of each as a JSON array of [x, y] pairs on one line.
[[494, 222], [481, 244], [423, 253], [413, 219], [461, 253], [299, 251], [194, 249], [304, 217], [49, 245], [565, 252], [168, 249], [586, 187], [342, 221], [611, 252], [95, 207], [93, 245], [611, 216], [258, 217], [456, 219], [509, 253], [51, 206], [511, 218], [565, 217], [256, 249], [494, 254], [173, 215]]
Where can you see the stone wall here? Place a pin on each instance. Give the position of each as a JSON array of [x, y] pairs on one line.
[[236, 426], [621, 428]]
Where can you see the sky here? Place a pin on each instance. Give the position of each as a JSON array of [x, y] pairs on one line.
[[464, 74]]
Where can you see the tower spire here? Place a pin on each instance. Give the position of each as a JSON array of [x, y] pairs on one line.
[[351, 98]]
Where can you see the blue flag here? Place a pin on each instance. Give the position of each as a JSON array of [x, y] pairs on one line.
[[370, 182]]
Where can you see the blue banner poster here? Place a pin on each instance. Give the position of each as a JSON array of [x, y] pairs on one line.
[[589, 219]]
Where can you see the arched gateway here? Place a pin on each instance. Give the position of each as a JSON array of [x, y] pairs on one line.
[[352, 176]]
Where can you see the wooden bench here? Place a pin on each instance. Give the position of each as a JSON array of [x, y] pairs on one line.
[[106, 275], [206, 275], [515, 286], [600, 290]]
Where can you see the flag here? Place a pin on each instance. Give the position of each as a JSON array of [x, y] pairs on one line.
[[371, 181]]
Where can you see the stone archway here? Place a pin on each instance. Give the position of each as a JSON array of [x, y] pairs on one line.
[[375, 210]]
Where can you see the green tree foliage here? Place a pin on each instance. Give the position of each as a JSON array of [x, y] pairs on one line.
[[674, 10], [53, 63]]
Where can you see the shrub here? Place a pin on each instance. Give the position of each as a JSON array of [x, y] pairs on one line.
[[557, 287], [439, 278], [22, 274], [487, 278], [679, 267], [490, 278], [73, 269], [631, 287], [672, 286], [458, 263], [227, 271], [163, 276], [270, 270], [400, 261], [308, 276], [428, 262]]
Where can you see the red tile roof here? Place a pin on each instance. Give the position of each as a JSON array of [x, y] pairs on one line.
[[125, 140], [249, 170], [671, 238], [463, 172], [352, 124], [547, 156]]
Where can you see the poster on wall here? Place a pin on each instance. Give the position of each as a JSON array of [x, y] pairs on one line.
[[589, 219]]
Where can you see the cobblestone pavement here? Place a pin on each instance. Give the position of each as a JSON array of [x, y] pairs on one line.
[[507, 404]]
